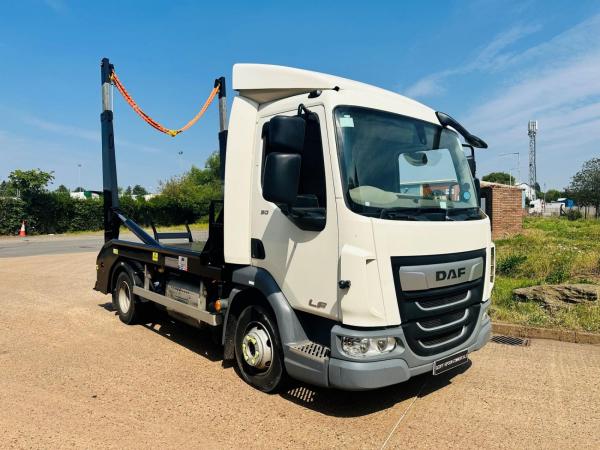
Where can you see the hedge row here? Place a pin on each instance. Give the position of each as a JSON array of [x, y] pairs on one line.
[[12, 212], [52, 212]]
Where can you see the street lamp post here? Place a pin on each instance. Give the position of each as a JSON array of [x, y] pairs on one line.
[[180, 159], [518, 165], [79, 175]]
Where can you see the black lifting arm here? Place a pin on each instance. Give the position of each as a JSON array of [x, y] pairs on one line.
[[113, 217], [109, 166]]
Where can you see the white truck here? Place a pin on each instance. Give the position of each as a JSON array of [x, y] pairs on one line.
[[350, 250]]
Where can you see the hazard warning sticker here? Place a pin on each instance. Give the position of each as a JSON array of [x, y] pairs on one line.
[[183, 263]]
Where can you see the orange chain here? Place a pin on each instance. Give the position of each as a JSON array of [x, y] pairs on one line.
[[115, 79]]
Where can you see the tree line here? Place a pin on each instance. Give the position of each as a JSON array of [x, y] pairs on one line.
[[25, 195], [183, 199]]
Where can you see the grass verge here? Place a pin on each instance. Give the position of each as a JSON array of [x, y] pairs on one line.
[[549, 251]]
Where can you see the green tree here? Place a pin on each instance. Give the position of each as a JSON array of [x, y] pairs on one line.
[[552, 195], [139, 190], [499, 177], [127, 191], [62, 189], [30, 182], [192, 191], [7, 189], [585, 185]]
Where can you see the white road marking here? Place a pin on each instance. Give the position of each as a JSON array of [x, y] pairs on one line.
[[404, 414]]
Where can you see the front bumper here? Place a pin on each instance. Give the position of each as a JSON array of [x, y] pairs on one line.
[[342, 372], [353, 375]]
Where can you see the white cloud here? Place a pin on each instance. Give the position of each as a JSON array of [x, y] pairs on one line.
[[65, 130], [81, 133], [426, 87], [577, 40], [558, 85], [556, 82], [489, 58]]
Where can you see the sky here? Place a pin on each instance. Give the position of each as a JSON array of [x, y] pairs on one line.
[[493, 65]]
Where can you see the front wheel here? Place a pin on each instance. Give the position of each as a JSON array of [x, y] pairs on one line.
[[258, 350]]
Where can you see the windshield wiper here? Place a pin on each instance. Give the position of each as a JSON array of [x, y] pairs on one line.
[[403, 213], [467, 213], [429, 213], [395, 213]]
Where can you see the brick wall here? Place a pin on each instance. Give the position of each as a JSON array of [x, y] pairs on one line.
[[506, 214]]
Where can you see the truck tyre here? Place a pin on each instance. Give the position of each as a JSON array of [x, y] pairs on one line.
[[258, 350], [125, 301]]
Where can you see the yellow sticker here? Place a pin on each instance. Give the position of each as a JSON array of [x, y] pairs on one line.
[[116, 251], [154, 256]]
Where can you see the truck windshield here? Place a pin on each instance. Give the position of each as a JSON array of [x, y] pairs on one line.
[[400, 168]]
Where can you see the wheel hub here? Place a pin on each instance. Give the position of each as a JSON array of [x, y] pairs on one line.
[[256, 348], [124, 298]]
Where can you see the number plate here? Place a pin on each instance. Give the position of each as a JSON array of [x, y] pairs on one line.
[[450, 362]]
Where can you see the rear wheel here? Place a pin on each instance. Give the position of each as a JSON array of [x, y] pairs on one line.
[[258, 350], [125, 301]]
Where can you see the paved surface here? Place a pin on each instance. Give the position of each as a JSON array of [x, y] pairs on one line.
[[62, 244], [72, 375]]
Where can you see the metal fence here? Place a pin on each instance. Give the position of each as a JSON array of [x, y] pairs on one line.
[[554, 210]]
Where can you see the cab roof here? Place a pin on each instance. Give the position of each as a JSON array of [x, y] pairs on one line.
[[264, 83]]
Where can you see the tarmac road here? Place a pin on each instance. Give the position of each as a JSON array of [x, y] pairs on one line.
[[61, 244], [72, 375]]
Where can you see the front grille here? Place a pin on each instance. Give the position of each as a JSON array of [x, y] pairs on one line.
[[443, 320], [438, 320], [434, 341], [429, 303]]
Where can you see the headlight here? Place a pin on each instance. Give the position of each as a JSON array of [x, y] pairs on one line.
[[364, 347]]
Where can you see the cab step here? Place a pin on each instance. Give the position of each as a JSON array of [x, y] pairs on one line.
[[312, 350], [308, 361]]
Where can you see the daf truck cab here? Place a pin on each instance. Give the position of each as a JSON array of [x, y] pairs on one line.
[[350, 251]]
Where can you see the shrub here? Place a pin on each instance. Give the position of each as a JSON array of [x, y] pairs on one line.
[[573, 214], [57, 212], [509, 265], [12, 212], [560, 270], [182, 199], [86, 215]]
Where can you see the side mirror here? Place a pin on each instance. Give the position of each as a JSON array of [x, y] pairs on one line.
[[285, 142], [286, 134], [281, 178]]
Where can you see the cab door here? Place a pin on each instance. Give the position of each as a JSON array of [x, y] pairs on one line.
[[303, 261]]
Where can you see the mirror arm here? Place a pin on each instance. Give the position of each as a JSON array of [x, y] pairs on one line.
[[302, 108], [471, 139]]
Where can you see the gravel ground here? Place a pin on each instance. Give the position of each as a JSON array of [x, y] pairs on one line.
[[72, 375]]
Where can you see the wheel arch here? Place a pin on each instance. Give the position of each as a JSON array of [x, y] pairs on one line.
[[256, 286], [134, 269]]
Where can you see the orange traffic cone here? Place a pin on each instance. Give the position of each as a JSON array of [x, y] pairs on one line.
[[22, 231]]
